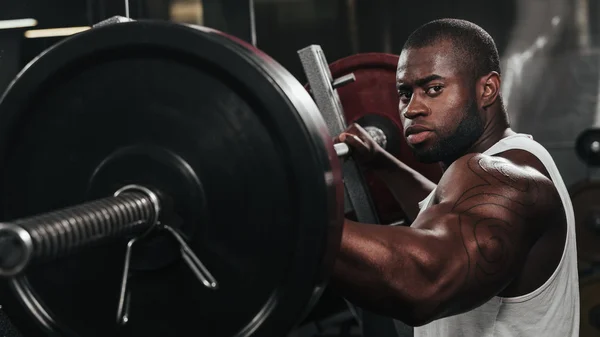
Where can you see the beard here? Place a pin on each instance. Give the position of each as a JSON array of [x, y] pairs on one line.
[[451, 147]]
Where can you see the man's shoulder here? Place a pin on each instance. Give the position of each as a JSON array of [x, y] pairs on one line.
[[515, 178], [510, 167]]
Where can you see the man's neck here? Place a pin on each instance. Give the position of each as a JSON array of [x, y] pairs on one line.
[[492, 133], [490, 137]]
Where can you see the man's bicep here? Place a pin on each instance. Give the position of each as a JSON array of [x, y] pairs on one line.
[[478, 252], [495, 242], [486, 210]]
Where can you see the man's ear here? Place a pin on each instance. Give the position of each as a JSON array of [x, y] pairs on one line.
[[488, 89]]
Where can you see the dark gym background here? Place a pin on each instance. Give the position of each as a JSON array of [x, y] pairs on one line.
[[549, 48]]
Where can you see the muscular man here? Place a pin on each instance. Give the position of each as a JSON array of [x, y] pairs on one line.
[[491, 250]]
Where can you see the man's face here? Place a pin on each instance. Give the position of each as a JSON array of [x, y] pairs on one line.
[[437, 103]]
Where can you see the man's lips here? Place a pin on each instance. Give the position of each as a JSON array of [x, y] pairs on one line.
[[417, 134]]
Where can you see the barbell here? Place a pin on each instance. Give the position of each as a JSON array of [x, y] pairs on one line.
[[165, 179]]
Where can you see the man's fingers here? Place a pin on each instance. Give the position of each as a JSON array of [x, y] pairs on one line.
[[357, 128], [350, 139], [355, 141], [353, 137]]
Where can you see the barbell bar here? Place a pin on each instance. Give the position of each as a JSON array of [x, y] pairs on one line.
[[131, 211]]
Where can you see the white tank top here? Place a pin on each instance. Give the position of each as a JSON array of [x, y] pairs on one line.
[[552, 310]]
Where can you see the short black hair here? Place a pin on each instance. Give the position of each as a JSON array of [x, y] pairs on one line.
[[474, 45]]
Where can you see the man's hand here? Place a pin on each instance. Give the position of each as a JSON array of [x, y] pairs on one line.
[[406, 184], [363, 148]]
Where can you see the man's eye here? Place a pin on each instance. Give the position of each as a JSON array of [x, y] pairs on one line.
[[404, 95], [434, 90]]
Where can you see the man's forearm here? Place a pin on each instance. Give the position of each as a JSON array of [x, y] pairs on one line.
[[386, 270], [407, 185]]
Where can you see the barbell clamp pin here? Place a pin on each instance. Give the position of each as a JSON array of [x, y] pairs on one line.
[[124, 296], [193, 262]]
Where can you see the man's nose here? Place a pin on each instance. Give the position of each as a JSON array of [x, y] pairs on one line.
[[415, 109]]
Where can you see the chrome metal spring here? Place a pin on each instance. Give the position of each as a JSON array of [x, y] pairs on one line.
[[60, 232], [132, 210]]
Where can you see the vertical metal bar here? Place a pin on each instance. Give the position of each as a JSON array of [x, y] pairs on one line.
[[387, 27], [127, 8], [353, 25], [320, 80], [357, 195], [252, 23]]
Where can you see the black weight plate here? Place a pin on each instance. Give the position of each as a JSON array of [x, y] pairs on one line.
[[266, 220]]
